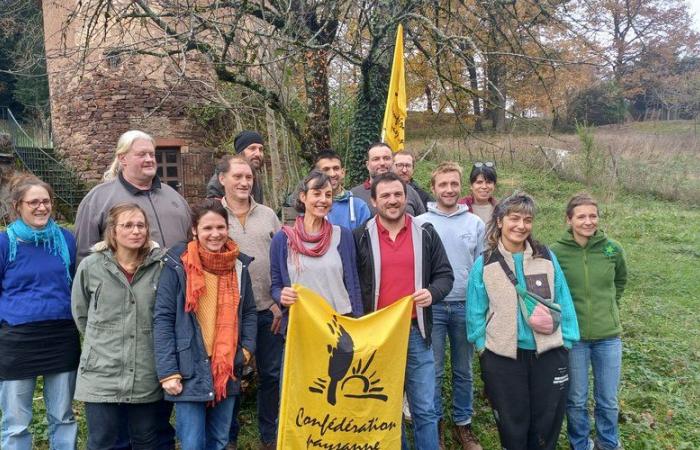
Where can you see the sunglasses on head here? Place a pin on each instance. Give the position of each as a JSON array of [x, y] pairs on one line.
[[484, 164]]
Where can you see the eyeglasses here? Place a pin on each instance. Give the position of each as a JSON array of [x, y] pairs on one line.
[[484, 164], [402, 166], [34, 204], [129, 226]]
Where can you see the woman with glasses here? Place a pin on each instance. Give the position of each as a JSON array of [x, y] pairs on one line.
[[37, 334], [522, 349], [596, 273], [482, 182], [205, 328], [113, 300]]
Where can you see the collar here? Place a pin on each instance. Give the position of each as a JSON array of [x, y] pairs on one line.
[[133, 190], [406, 224]]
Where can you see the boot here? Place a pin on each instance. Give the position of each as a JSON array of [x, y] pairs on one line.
[[467, 438], [441, 434]]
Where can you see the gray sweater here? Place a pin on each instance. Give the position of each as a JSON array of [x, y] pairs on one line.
[[254, 239], [167, 211]]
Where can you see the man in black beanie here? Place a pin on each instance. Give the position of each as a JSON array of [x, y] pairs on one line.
[[248, 144]]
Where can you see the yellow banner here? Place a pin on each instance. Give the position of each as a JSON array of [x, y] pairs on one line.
[[394, 123], [342, 385]]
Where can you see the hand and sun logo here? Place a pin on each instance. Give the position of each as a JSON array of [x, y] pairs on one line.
[[353, 380]]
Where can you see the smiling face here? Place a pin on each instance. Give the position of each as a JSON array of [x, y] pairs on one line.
[[237, 181], [403, 167], [379, 160], [317, 202], [254, 154], [515, 229], [130, 231], [211, 231], [334, 170], [583, 221], [139, 163], [447, 188], [35, 207], [482, 189], [390, 201]]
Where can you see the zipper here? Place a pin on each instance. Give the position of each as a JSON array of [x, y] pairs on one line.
[[589, 303]]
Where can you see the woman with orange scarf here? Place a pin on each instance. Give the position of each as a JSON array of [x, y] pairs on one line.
[[204, 329]]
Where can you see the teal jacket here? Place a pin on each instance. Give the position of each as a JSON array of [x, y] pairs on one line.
[[596, 275]]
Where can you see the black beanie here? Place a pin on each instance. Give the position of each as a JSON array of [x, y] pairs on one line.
[[245, 138]]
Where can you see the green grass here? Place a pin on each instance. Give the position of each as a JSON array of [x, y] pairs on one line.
[[660, 393]]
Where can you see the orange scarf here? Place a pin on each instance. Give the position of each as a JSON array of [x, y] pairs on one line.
[[196, 260]]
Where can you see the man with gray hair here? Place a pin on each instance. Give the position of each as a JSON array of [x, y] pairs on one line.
[[132, 178]]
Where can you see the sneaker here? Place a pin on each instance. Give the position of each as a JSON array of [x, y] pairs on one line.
[[467, 438]]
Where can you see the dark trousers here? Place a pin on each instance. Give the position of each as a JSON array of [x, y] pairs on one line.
[[528, 396], [268, 358], [143, 420], [166, 432]]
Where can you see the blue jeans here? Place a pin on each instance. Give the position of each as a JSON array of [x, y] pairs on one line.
[[449, 320], [200, 427], [605, 357], [419, 385], [16, 404]]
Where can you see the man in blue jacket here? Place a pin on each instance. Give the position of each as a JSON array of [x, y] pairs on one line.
[[347, 211], [462, 233]]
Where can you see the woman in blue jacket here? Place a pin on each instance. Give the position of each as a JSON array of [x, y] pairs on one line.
[[37, 333], [315, 253], [204, 328]]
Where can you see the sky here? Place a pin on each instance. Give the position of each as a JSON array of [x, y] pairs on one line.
[[695, 9]]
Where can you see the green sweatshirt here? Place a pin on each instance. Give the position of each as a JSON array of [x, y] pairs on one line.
[[596, 275]]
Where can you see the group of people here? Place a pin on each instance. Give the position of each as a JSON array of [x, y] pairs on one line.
[[172, 302]]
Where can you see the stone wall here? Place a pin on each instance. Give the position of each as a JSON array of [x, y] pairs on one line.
[[94, 101]]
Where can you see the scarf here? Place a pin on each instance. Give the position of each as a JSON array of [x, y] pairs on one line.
[[196, 260], [296, 236], [50, 236]]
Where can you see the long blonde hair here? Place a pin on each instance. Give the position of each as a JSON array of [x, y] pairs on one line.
[[124, 144]]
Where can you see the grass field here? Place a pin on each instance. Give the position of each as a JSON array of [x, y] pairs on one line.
[[660, 394]]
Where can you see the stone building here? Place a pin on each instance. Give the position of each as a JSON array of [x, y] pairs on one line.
[[97, 93]]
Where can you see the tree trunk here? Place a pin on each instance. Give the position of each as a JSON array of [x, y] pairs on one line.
[[317, 130]]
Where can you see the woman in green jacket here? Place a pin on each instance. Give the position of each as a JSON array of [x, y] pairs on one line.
[[113, 298], [595, 271]]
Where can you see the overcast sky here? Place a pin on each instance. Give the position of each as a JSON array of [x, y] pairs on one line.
[[695, 9]]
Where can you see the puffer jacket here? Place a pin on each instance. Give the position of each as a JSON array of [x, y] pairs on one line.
[[117, 364], [178, 340]]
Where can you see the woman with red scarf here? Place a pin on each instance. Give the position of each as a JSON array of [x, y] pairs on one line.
[[315, 253], [204, 328]]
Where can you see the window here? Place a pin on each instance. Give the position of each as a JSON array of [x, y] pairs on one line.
[[169, 167]]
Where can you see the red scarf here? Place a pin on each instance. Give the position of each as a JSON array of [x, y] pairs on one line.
[[296, 236], [197, 260]]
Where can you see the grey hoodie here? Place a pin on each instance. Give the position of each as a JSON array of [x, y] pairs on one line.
[[462, 234]]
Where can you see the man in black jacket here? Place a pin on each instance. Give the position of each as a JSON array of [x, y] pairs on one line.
[[397, 256]]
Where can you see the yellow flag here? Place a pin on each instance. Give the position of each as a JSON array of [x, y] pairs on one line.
[[343, 378], [395, 111]]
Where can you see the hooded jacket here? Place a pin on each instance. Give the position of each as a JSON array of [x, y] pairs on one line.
[[348, 211], [432, 268], [596, 275], [117, 363], [178, 340]]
